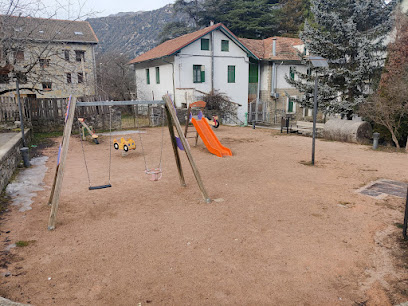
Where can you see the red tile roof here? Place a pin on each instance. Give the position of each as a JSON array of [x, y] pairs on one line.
[[260, 48], [172, 46], [284, 48]]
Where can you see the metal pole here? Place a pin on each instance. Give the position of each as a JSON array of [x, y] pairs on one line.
[[20, 110], [404, 228], [314, 121]]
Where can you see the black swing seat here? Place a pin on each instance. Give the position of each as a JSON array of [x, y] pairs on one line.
[[99, 187]]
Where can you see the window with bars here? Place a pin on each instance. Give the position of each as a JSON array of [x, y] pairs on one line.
[[205, 44], [231, 74], [157, 75], [66, 55], [147, 76], [80, 77], [69, 78], [198, 73], [225, 45]]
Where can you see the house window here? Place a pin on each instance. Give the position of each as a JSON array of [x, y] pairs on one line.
[[157, 75], [79, 55], [80, 77], [292, 70], [47, 86], [19, 55], [309, 71], [291, 105], [225, 45], [205, 44], [44, 62], [198, 73], [69, 78], [147, 76], [231, 74], [66, 55], [4, 79]]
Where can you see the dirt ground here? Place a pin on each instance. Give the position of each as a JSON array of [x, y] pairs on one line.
[[279, 233]]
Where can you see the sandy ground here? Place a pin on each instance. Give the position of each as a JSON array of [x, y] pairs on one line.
[[280, 232]]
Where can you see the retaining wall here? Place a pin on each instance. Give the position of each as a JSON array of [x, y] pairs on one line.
[[10, 157]]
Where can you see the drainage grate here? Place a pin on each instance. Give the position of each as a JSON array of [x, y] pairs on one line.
[[382, 188]]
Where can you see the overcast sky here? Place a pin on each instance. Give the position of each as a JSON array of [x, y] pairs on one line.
[[101, 8]]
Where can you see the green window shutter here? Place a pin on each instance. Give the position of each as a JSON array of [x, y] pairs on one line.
[[205, 44], [253, 73], [225, 45], [290, 105], [292, 72], [157, 75], [202, 75], [231, 74], [147, 76]]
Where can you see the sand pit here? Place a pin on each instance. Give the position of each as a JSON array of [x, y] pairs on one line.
[[280, 233]]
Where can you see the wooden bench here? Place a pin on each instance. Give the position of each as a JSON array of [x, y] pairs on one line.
[[304, 127]]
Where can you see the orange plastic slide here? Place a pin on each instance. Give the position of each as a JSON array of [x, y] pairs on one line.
[[210, 140]]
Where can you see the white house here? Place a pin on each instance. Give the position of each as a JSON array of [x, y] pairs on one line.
[[213, 58]]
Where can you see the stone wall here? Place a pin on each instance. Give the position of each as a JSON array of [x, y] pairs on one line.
[[10, 157]]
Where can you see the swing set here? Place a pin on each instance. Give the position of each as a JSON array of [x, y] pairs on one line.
[[154, 173]]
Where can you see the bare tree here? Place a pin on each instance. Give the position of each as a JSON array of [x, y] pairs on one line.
[[115, 77], [389, 105], [31, 49]]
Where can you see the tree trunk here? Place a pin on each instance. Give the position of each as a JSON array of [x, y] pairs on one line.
[[406, 146], [394, 139]]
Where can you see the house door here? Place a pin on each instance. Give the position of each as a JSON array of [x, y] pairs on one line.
[[253, 80]]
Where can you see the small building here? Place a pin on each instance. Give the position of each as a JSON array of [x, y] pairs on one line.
[[278, 57], [53, 58], [214, 59]]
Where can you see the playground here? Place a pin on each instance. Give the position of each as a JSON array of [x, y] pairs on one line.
[[277, 232]]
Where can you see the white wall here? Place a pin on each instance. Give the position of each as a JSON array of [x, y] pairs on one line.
[[193, 55], [283, 70], [153, 90]]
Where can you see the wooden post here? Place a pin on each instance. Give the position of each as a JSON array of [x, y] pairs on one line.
[[60, 174], [187, 121], [172, 111], [175, 148]]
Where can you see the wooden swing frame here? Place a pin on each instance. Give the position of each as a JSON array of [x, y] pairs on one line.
[[172, 121]]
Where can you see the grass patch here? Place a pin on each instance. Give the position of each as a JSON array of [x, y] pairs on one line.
[[399, 225], [23, 243]]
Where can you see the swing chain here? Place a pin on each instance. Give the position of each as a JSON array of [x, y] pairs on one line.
[[147, 170], [83, 153]]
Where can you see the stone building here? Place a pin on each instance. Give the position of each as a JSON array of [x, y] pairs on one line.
[[51, 58]]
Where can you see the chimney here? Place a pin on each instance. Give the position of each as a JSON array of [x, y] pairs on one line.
[[274, 47], [211, 23]]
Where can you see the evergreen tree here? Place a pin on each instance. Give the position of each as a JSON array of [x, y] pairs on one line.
[[350, 35], [292, 16]]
